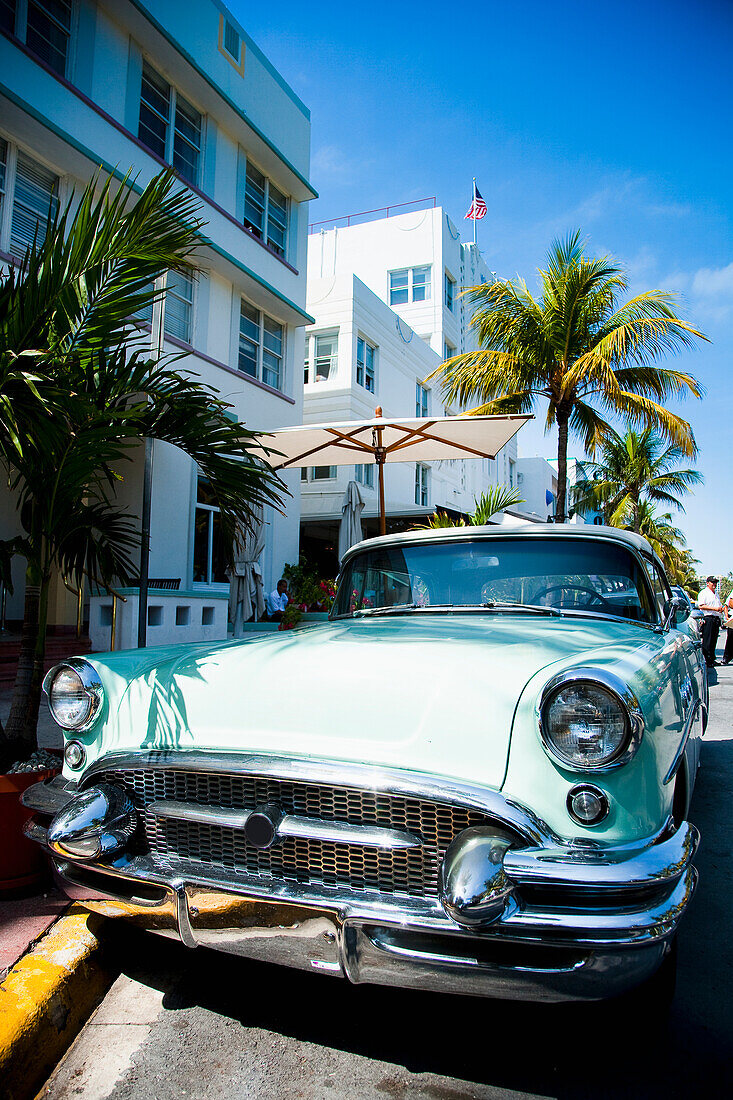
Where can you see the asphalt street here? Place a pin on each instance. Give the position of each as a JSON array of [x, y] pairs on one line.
[[181, 1023]]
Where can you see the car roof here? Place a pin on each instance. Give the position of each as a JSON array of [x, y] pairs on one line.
[[502, 530]]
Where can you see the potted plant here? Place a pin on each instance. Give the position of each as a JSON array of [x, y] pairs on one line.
[[292, 615]]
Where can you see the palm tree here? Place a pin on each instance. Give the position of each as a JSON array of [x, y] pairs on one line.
[[666, 540], [634, 468], [495, 499], [87, 397], [579, 348]]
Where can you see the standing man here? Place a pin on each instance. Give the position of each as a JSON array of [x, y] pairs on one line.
[[709, 603], [277, 601]]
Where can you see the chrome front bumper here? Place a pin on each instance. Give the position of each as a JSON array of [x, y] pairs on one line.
[[584, 922]]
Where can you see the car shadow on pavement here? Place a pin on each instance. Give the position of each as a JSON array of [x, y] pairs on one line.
[[607, 1050], [590, 1050]]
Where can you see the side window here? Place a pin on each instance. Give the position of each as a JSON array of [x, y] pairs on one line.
[[659, 585]]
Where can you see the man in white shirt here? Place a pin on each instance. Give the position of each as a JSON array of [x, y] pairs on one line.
[[710, 604], [277, 601]]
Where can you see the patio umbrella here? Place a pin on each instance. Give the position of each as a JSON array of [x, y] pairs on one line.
[[415, 439], [246, 594], [350, 527]]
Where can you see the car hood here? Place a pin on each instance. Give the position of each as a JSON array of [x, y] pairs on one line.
[[429, 693]]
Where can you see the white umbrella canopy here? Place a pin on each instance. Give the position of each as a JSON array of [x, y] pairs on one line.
[[415, 439], [350, 530]]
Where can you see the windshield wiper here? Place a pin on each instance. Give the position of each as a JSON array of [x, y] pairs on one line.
[[535, 608], [393, 609], [491, 605]]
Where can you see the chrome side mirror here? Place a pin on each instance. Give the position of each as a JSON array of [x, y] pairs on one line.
[[672, 609]]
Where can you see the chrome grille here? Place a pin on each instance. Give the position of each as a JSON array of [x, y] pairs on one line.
[[408, 871]]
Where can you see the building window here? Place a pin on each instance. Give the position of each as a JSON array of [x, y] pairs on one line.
[[169, 126], [364, 474], [209, 551], [232, 42], [421, 484], [421, 399], [450, 290], [411, 284], [512, 474], [178, 318], [261, 346], [28, 198], [318, 473], [44, 26], [365, 364], [448, 350], [265, 209], [325, 357], [178, 312]]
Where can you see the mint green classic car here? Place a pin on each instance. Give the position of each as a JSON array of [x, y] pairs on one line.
[[475, 777]]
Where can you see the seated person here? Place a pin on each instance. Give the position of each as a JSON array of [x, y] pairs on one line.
[[277, 601]]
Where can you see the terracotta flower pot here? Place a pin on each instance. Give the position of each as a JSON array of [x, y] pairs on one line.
[[22, 863]]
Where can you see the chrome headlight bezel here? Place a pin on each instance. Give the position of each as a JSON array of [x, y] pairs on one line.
[[91, 685], [624, 696]]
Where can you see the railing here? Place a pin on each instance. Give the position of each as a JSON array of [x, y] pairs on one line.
[[371, 215], [79, 593]]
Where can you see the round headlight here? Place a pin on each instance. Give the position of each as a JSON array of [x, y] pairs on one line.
[[586, 724], [74, 694]]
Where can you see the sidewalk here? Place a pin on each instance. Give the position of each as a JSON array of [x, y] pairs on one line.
[[23, 920]]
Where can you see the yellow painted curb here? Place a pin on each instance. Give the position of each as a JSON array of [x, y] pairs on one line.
[[46, 998]]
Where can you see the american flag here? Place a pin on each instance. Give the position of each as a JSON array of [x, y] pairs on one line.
[[478, 206]]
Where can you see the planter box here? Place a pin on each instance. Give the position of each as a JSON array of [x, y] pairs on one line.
[[22, 863], [172, 617]]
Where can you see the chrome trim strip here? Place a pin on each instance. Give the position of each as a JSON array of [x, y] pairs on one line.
[[339, 774], [91, 683], [617, 688], [605, 869], [677, 759], [623, 925], [49, 795], [383, 943], [570, 926], [339, 832], [185, 930], [204, 815]]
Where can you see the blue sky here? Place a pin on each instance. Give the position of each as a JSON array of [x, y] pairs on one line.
[[612, 118]]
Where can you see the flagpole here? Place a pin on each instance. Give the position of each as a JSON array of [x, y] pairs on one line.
[[474, 213]]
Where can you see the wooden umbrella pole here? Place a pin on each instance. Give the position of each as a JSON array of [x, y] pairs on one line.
[[379, 459]]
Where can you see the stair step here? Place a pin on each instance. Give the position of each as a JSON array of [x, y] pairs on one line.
[[57, 648]]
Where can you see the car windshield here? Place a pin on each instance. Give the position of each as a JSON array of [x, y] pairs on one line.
[[534, 574]]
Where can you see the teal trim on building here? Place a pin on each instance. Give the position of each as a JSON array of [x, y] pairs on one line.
[[97, 160], [230, 102]]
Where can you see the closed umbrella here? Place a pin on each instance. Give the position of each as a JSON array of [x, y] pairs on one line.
[[246, 595], [350, 527]]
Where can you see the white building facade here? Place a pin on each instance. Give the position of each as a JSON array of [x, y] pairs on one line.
[[131, 85], [385, 295]]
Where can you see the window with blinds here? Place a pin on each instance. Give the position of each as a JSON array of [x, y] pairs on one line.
[[178, 312], [265, 209], [48, 31], [261, 346], [169, 125], [7, 16], [35, 200]]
